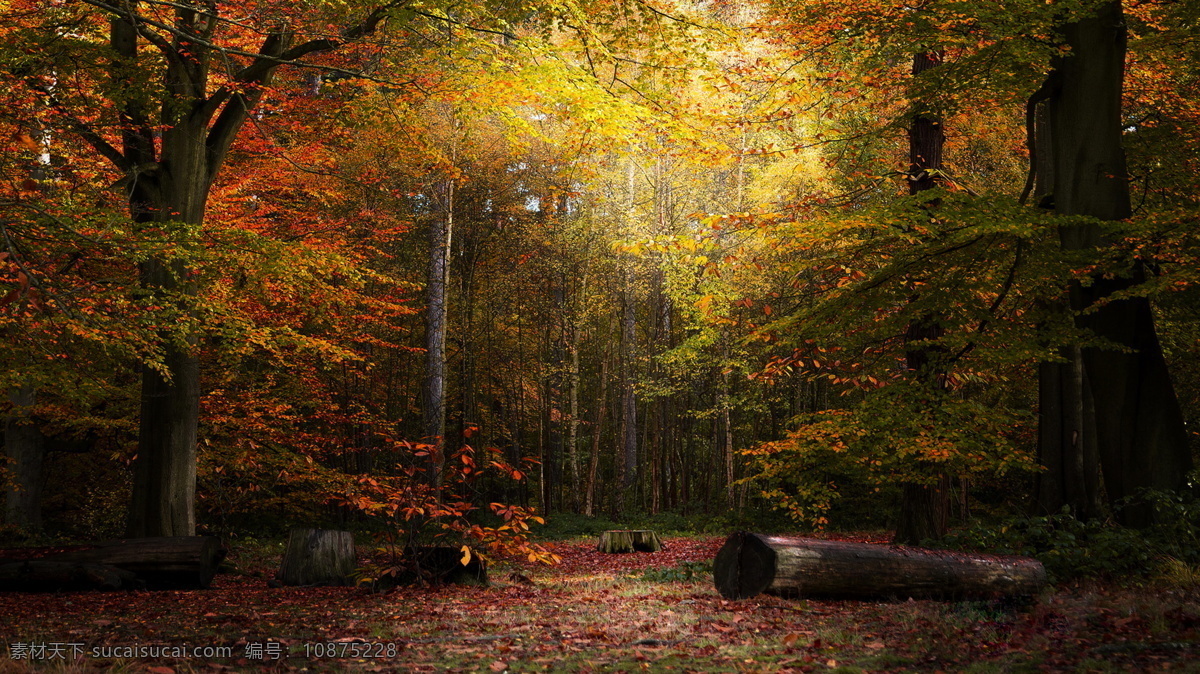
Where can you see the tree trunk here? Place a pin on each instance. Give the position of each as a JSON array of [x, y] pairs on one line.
[[727, 453], [923, 508], [627, 540], [597, 434], [25, 448], [318, 557], [573, 396], [1140, 436], [749, 564], [628, 396], [434, 388]]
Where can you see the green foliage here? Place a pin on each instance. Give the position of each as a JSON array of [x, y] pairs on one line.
[[1071, 548], [684, 572], [903, 432], [561, 526]]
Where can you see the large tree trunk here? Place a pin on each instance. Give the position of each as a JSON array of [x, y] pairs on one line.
[[164, 486], [749, 564], [25, 449], [1141, 439], [170, 151]]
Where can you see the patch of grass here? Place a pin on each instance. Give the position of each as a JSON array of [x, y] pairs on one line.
[[885, 661], [683, 573]]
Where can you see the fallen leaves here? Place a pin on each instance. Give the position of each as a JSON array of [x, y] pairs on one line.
[[595, 611]]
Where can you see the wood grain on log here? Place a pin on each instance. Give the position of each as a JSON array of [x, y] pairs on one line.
[[749, 564]]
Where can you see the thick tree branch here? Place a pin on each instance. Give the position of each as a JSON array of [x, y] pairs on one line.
[[264, 63], [1036, 97], [237, 106], [274, 53]]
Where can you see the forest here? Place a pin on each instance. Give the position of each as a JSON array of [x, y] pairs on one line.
[[493, 275]]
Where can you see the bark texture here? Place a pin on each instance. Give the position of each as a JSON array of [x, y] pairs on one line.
[[433, 393], [924, 508], [39, 575], [750, 564], [162, 563], [318, 557], [1140, 438], [629, 540]]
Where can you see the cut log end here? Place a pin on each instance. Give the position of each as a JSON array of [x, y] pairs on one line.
[[744, 566]]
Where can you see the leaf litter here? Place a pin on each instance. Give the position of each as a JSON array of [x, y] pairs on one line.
[[597, 612]]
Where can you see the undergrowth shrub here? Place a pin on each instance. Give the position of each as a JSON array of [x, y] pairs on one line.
[[684, 572], [1071, 548]]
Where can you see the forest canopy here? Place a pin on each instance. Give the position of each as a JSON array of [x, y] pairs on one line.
[[451, 268]]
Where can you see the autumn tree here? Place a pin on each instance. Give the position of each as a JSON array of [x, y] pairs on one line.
[[1126, 394]]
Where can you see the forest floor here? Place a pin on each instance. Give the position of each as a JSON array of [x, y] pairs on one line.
[[592, 612]]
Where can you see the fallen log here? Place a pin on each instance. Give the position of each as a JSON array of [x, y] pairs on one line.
[[318, 557], [749, 564], [169, 562], [629, 540], [41, 575]]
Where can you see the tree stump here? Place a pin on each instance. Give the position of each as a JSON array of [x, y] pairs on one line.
[[629, 540], [749, 564], [432, 565], [318, 557]]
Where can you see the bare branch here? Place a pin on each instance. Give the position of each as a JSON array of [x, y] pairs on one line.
[[475, 29]]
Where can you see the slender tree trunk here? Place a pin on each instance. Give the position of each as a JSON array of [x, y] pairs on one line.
[[923, 507], [597, 434], [573, 427], [628, 397], [25, 448], [1140, 438], [434, 388], [726, 423]]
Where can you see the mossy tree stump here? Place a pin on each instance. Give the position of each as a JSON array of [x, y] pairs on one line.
[[629, 540], [318, 557]]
